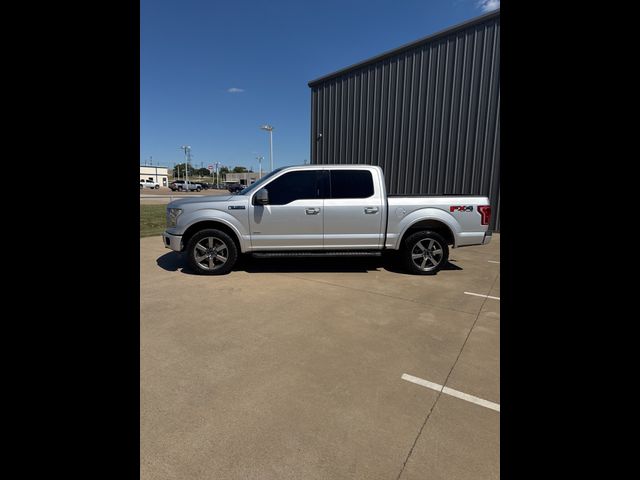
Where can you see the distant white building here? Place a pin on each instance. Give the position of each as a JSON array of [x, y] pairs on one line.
[[156, 174]]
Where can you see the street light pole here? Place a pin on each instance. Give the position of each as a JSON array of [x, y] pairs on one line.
[[269, 129], [271, 149]]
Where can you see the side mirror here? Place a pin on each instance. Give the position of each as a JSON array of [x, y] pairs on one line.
[[262, 197]]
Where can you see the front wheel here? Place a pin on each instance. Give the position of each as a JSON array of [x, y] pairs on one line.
[[212, 252], [425, 253]]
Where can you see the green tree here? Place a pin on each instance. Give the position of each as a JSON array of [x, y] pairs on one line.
[[239, 170], [178, 170]]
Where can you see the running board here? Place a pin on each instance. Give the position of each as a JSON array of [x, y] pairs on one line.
[[337, 253]]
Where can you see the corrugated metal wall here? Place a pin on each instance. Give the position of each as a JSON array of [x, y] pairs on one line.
[[427, 113]]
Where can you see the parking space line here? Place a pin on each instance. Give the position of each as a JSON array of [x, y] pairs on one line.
[[452, 392], [492, 261], [480, 295]]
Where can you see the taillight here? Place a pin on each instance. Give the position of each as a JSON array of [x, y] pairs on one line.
[[485, 212]]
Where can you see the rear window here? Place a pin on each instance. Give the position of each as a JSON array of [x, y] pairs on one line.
[[351, 184]]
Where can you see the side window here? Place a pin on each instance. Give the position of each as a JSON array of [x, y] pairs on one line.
[[351, 184], [294, 186]]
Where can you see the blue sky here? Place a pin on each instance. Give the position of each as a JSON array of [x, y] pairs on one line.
[[194, 54]]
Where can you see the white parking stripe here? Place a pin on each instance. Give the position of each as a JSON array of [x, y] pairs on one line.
[[480, 295], [452, 392], [492, 261]]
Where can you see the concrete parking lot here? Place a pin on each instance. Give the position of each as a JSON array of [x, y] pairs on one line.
[[293, 369]]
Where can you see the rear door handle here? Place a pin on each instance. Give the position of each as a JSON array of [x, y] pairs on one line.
[[370, 210], [312, 211]]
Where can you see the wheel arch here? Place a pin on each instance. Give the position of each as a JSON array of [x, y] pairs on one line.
[[205, 224], [430, 224]]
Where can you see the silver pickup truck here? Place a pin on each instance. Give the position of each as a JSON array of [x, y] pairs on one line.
[[324, 210], [185, 186]]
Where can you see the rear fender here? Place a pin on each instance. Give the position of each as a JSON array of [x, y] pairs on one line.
[[423, 214]]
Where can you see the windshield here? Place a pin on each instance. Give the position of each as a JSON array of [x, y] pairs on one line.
[[259, 182]]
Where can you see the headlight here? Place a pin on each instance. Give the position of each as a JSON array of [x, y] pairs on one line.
[[172, 216]]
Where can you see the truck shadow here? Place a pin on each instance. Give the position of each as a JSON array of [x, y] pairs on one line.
[[174, 261]]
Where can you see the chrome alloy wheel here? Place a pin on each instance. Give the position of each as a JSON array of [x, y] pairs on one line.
[[211, 253], [427, 254]]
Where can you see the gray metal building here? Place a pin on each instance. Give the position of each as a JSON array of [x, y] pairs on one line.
[[428, 113]]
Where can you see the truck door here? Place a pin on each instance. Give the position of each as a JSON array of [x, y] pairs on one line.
[[353, 212], [293, 218]]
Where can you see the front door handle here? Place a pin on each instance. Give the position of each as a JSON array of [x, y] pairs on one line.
[[370, 210], [312, 211]]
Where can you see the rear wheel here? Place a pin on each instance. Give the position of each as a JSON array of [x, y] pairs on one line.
[[425, 253], [212, 252]]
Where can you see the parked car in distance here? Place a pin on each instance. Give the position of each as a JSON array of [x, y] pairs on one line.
[[148, 184], [322, 211], [235, 187], [185, 186]]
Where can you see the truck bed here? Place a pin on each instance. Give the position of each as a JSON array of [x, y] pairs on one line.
[[458, 212]]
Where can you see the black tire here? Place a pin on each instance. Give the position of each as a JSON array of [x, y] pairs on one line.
[[198, 189], [430, 261], [157, 187], [141, 187], [200, 243]]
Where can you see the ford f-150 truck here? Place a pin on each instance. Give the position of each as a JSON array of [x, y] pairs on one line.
[[324, 210], [181, 186]]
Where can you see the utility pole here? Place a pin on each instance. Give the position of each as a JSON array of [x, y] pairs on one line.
[[151, 162], [260, 158], [187, 157]]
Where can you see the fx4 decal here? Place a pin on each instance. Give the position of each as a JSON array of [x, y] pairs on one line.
[[461, 208]]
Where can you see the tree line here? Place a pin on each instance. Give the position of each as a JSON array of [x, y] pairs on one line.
[[178, 170]]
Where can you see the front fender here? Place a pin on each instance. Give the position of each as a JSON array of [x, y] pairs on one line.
[[423, 214], [210, 214]]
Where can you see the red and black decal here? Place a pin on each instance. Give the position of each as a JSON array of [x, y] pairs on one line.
[[461, 208]]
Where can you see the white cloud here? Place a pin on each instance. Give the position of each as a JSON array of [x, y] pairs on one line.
[[488, 5], [235, 90]]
